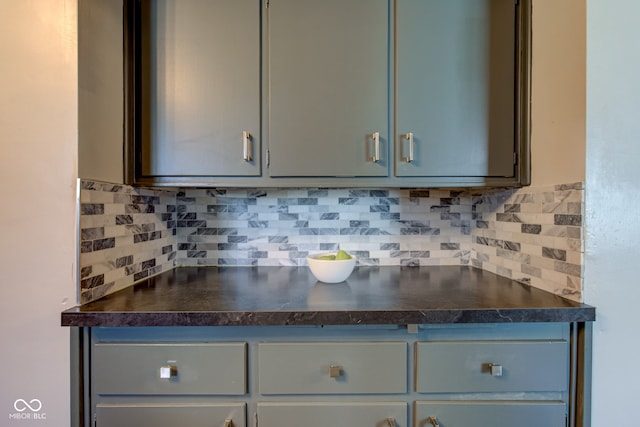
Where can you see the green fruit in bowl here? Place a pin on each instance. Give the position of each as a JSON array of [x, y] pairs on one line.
[[327, 257], [342, 255]]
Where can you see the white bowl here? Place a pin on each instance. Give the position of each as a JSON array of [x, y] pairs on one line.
[[331, 271]]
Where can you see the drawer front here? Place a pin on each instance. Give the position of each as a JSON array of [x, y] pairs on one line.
[[198, 368], [450, 367], [328, 368], [494, 414], [171, 415], [323, 414]]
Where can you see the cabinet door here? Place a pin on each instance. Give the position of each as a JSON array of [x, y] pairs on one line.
[[201, 88], [494, 414], [456, 80], [171, 415], [322, 414], [328, 83]]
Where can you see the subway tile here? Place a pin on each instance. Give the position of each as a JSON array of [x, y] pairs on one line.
[[449, 246], [94, 233], [531, 270], [124, 261], [507, 217], [86, 271], [91, 208], [558, 254], [573, 220], [102, 244], [570, 269], [145, 265], [92, 282], [531, 228]]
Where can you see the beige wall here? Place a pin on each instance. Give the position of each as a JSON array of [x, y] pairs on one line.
[[558, 92], [37, 220]]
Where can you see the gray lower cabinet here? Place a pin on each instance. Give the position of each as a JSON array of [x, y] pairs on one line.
[[456, 88], [501, 375], [169, 369], [328, 88], [171, 415], [494, 414], [332, 368], [322, 414], [491, 366], [200, 88]]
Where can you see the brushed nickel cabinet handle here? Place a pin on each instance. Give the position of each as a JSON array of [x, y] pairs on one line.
[[335, 371], [496, 370], [228, 422], [247, 148], [376, 147], [391, 422], [433, 421], [409, 137], [168, 372]]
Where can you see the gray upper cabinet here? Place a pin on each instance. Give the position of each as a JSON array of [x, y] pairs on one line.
[[200, 88], [328, 87], [456, 88], [351, 93], [100, 94]]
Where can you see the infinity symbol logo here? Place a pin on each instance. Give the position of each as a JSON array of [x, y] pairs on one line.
[[21, 405]]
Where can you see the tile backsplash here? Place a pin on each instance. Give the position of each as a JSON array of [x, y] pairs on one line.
[[282, 226], [125, 234], [533, 235]]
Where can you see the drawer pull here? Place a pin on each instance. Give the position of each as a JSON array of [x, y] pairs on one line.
[[391, 422], [335, 371], [168, 372], [433, 421], [496, 370], [228, 422]]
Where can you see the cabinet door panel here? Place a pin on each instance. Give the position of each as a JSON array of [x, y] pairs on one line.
[[328, 88], [494, 414], [456, 82], [201, 87], [200, 368], [170, 415], [304, 368], [457, 367], [322, 414]]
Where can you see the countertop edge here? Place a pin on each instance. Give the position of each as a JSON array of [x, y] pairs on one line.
[[76, 318]]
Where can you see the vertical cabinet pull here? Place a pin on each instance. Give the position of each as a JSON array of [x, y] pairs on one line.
[[409, 137], [228, 422], [247, 148], [433, 421], [391, 422], [376, 147]]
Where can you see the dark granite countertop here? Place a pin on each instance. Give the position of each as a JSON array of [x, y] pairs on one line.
[[246, 296]]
